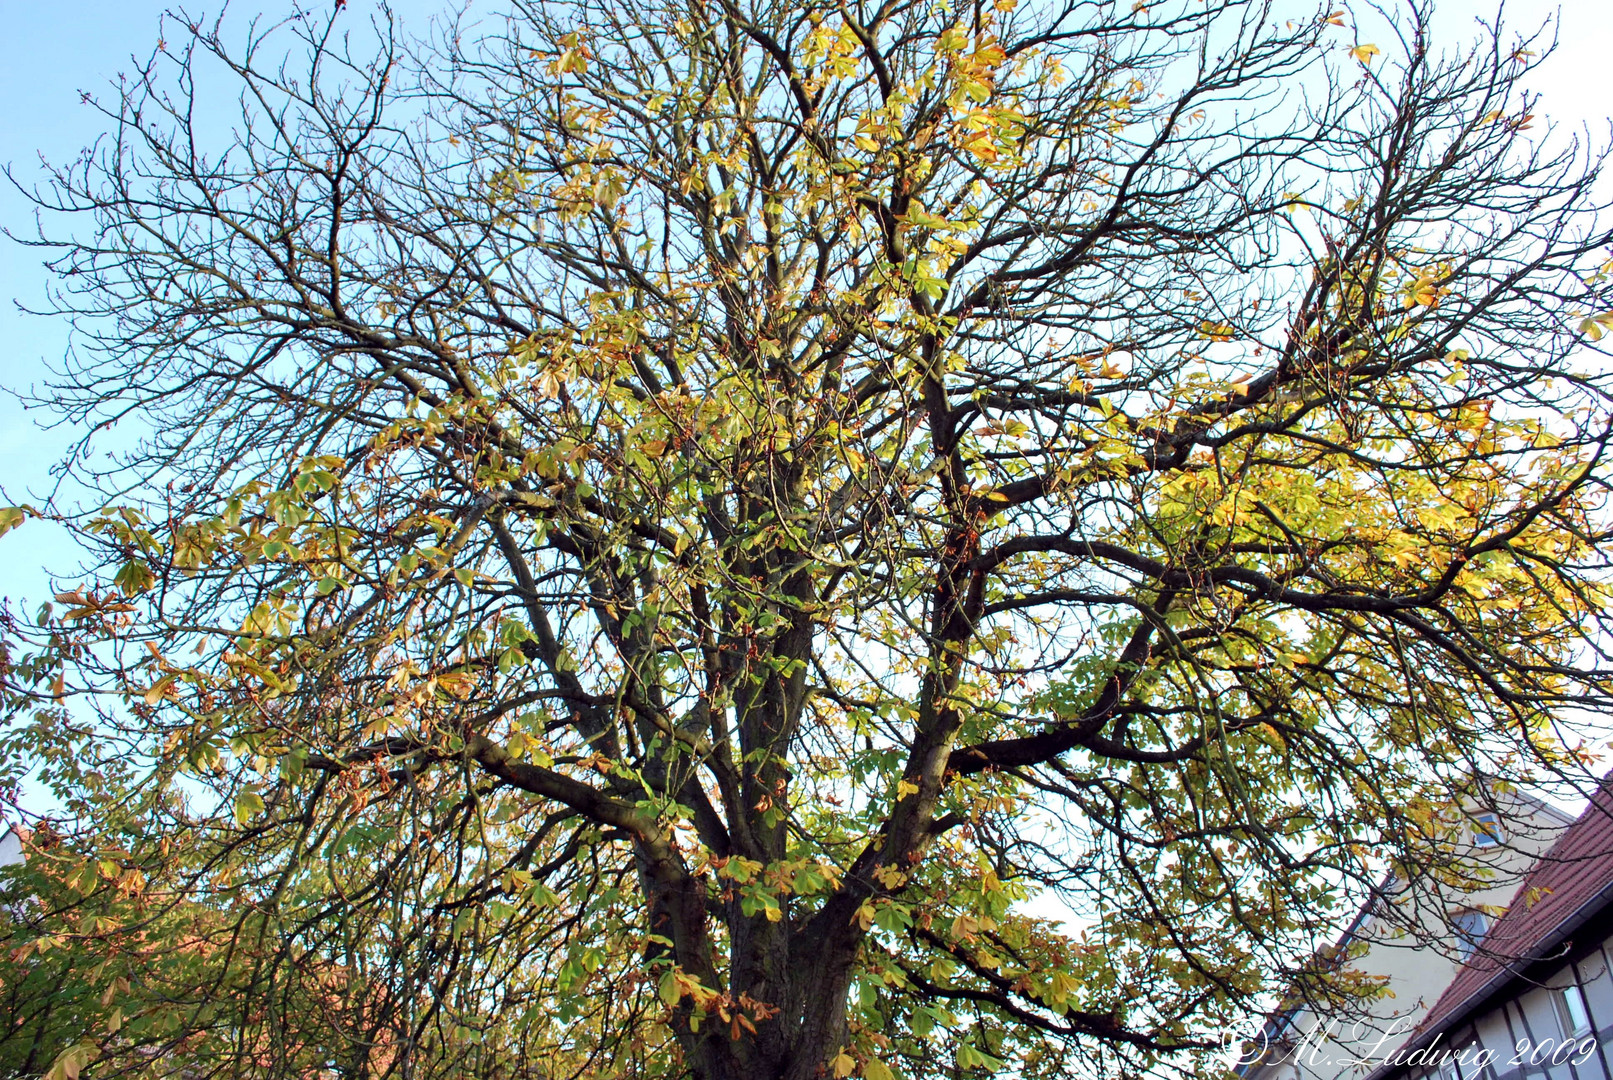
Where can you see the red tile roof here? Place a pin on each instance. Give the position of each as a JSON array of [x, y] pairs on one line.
[[1576, 871]]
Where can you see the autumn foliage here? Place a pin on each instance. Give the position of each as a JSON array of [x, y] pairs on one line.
[[757, 541]]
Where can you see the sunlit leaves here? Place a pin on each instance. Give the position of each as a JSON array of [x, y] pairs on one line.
[[11, 517], [1594, 326], [248, 805], [573, 56], [907, 487], [70, 1062], [134, 577]]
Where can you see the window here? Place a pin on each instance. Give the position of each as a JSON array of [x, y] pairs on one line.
[[1572, 1014], [1487, 830], [1469, 1062], [1470, 927]]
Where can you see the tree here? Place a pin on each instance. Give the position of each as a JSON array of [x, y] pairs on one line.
[[662, 531]]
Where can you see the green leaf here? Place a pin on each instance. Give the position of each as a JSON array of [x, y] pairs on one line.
[[11, 517], [893, 918], [668, 990], [248, 805], [134, 577]]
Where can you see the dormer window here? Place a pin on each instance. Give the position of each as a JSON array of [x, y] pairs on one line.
[[1487, 830], [1469, 926]]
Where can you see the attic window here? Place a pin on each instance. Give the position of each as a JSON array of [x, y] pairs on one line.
[[1487, 830], [1572, 1014], [1469, 926]]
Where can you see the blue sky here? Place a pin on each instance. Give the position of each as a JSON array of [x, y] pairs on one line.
[[56, 51]]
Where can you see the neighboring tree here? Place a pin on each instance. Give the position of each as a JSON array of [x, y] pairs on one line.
[[762, 540], [165, 986]]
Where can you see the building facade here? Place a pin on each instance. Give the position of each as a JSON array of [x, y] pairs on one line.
[[1536, 1000], [1415, 954]]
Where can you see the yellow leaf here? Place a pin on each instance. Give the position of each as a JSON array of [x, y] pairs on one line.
[[1595, 326], [159, 689], [982, 147], [70, 1062], [11, 517], [1422, 298], [877, 1070], [842, 1065], [1365, 53]]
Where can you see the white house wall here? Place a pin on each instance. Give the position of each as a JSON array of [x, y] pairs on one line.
[[1415, 971]]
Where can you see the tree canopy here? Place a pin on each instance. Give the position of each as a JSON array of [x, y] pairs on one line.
[[752, 540]]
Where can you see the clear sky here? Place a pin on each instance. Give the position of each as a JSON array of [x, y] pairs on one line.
[[57, 50]]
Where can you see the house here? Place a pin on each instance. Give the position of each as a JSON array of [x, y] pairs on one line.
[[1536, 1000], [1415, 954], [10, 847]]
